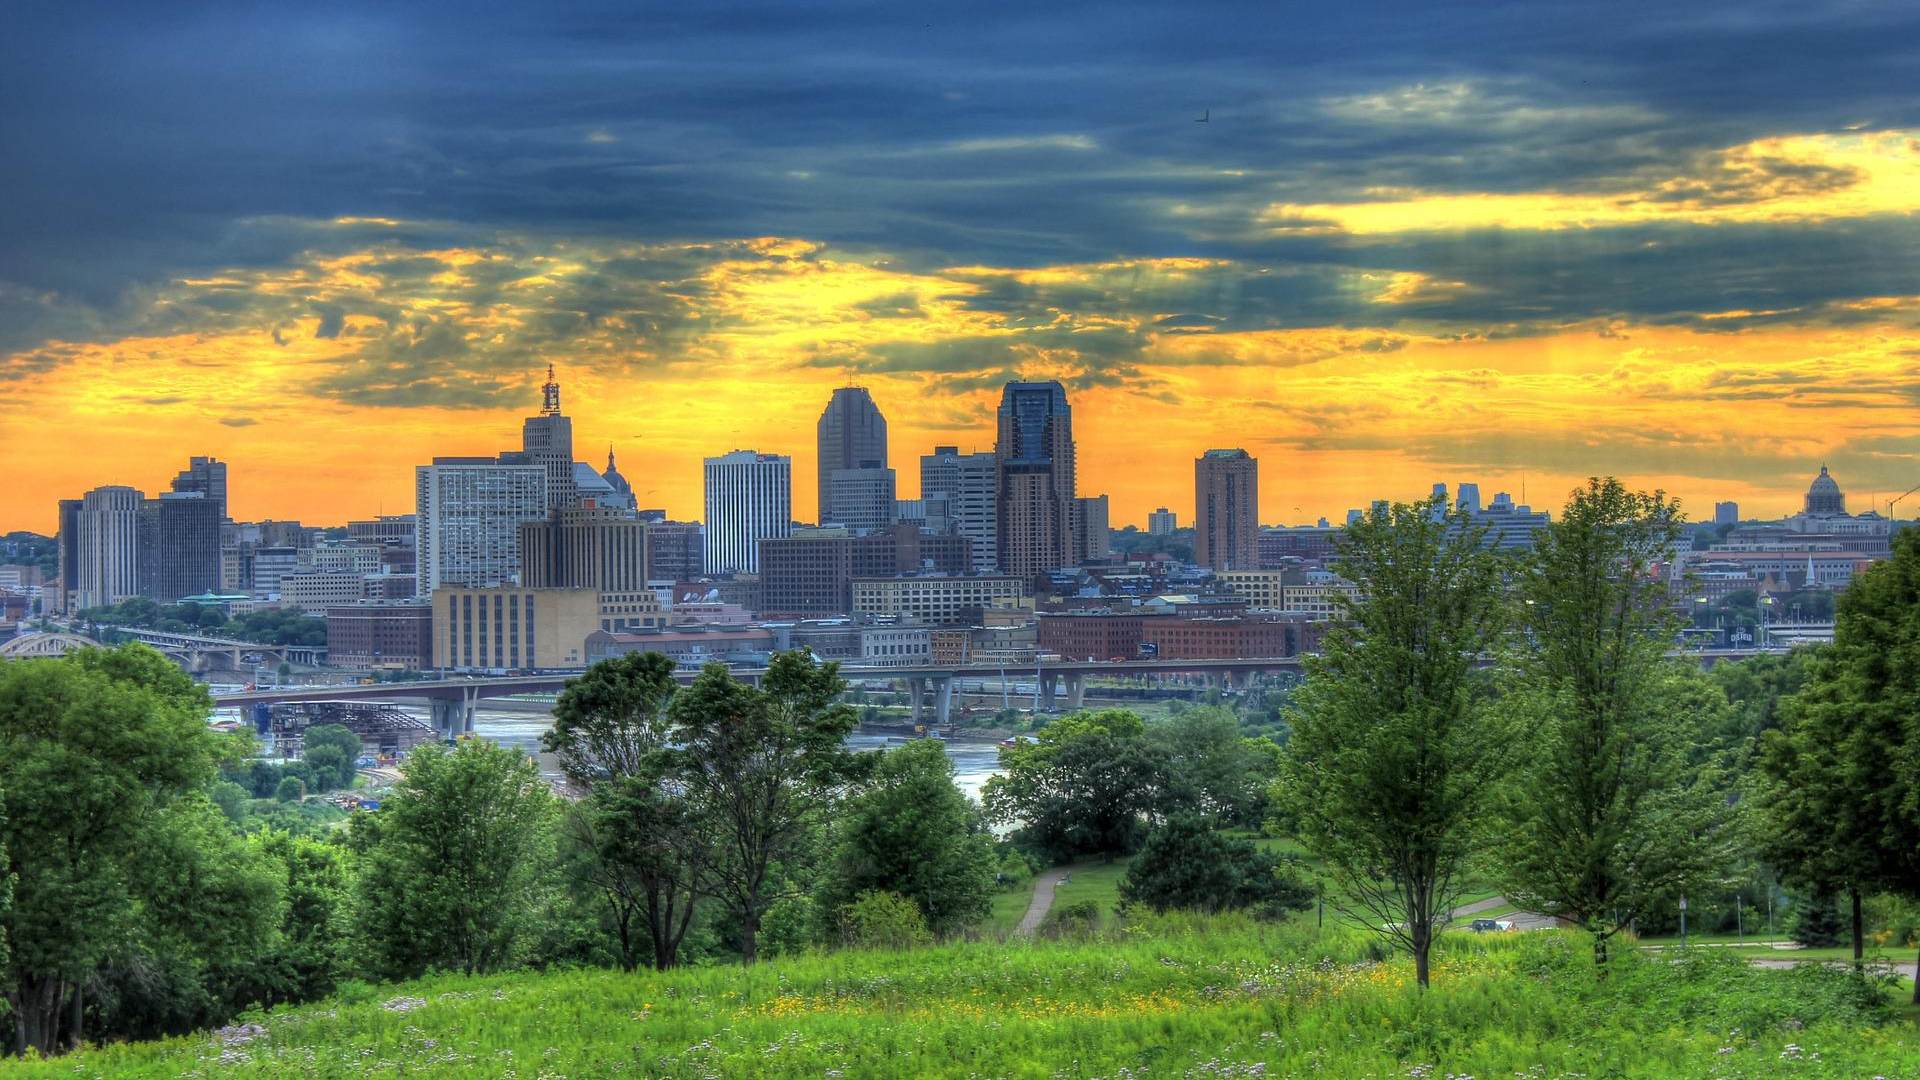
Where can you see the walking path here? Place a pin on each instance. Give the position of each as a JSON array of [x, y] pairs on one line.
[[1043, 887], [1521, 920]]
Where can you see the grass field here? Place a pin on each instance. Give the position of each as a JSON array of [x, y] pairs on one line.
[[1222, 998]]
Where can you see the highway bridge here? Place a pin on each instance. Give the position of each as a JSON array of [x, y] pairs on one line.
[[453, 700]]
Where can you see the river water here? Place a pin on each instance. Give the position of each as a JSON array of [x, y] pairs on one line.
[[973, 762]]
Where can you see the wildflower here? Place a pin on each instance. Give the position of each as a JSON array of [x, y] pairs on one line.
[[404, 1004]]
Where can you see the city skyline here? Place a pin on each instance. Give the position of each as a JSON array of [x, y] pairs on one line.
[[1675, 246]]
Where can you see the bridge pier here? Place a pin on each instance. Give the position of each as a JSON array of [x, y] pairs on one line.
[[916, 695], [942, 700], [1048, 685], [1076, 692]]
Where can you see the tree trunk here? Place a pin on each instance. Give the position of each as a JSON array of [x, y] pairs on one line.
[[73, 1023], [1422, 954], [1916, 980], [1859, 935], [749, 936], [1599, 956]]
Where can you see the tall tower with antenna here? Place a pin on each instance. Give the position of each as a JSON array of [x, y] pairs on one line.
[[550, 395], [548, 440]]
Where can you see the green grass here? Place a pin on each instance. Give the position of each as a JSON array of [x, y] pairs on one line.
[[1098, 882], [1170, 997], [1008, 906]]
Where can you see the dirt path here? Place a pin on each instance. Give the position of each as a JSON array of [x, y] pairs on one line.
[[1043, 887]]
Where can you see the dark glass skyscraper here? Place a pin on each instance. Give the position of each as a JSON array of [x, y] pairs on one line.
[[853, 436], [1034, 453]]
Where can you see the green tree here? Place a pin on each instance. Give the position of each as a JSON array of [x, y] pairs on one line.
[[316, 895], [1189, 865], [1843, 794], [95, 745], [1085, 784], [767, 764], [1395, 746], [456, 861], [635, 843], [911, 832], [331, 752], [1613, 811], [1212, 769]]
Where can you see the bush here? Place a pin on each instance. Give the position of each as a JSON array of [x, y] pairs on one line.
[[1818, 924], [291, 789], [1187, 865], [883, 920], [1077, 920]]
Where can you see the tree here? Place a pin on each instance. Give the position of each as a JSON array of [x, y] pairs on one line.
[[883, 920], [454, 861], [316, 884], [1612, 812], [767, 763], [1395, 746], [332, 753], [1212, 769], [92, 746], [912, 833], [634, 841], [1083, 785], [1189, 865], [1843, 797]]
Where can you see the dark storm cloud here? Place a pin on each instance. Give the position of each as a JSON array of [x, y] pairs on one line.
[[150, 143]]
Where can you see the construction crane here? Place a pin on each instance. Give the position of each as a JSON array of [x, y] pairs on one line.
[[1896, 499]]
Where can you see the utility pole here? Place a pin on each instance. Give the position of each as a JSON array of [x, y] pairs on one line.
[[1683, 920]]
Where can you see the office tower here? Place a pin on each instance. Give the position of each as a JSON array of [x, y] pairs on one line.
[[69, 542], [749, 498], [861, 499], [179, 545], [1162, 522], [584, 548], [1468, 498], [547, 440], [467, 515], [208, 476], [1226, 513], [107, 531], [969, 484], [1726, 513], [853, 435], [1036, 479], [675, 549], [1091, 537]]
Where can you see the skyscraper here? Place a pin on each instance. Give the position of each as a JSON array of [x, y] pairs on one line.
[[179, 545], [861, 499], [853, 435], [208, 476], [749, 497], [1035, 493], [1226, 517], [467, 515], [547, 440], [1726, 513], [970, 483], [108, 546], [1162, 522], [1092, 538]]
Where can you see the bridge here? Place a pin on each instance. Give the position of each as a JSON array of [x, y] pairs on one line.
[[453, 701], [190, 648]]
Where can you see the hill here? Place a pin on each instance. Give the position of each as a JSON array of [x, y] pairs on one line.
[[1171, 998]]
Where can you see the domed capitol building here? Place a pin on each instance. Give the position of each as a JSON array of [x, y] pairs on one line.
[[1824, 514]]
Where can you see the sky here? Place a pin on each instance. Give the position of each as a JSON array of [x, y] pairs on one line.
[[1376, 245]]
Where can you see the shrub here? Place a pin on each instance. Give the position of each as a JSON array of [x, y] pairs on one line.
[[1818, 924], [291, 789], [884, 920], [1187, 865], [1077, 920]]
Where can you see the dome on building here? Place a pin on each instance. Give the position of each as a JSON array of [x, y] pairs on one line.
[[1824, 496], [614, 479]]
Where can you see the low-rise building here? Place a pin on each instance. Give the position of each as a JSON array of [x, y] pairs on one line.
[[940, 601], [896, 646], [689, 647], [512, 628], [396, 634]]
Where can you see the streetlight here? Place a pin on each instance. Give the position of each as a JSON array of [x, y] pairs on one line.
[[1683, 920]]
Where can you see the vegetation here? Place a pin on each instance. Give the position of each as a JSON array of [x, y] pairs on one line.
[[1396, 747], [1188, 865], [1163, 997], [268, 626]]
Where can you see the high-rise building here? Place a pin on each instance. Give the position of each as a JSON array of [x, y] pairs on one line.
[[1035, 457], [861, 499], [749, 498], [467, 515], [1092, 539], [1226, 518], [1726, 513], [179, 545], [547, 440], [1468, 498], [69, 543], [969, 484], [584, 548], [675, 549], [107, 528], [1162, 522], [208, 476], [853, 435]]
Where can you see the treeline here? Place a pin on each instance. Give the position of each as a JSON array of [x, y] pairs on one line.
[[1522, 722], [268, 626]]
